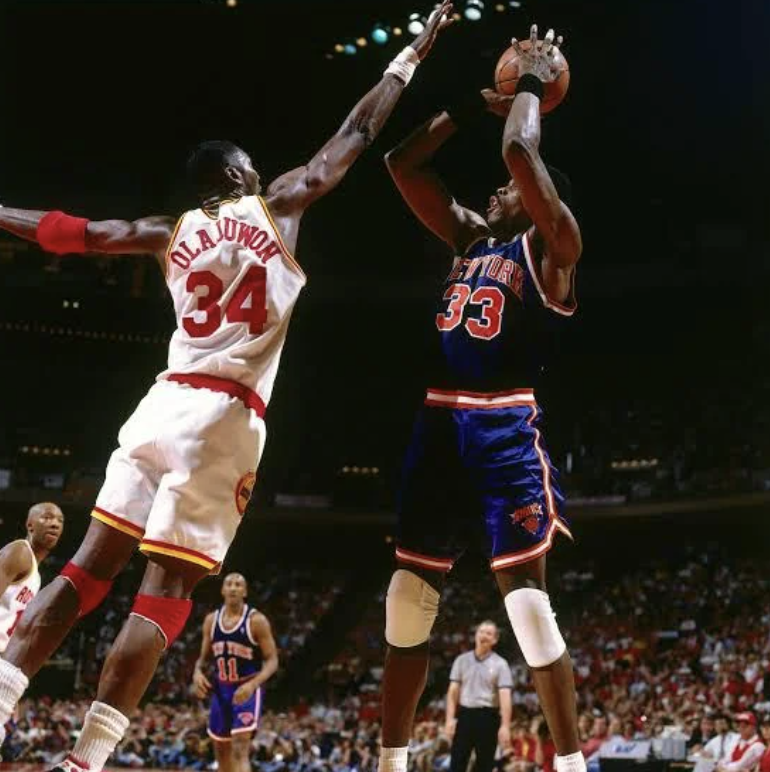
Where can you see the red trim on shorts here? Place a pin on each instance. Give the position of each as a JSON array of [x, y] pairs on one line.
[[525, 555], [425, 561], [211, 382], [167, 548], [471, 400], [120, 523]]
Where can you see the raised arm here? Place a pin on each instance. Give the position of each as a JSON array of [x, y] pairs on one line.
[[63, 234], [293, 192], [409, 163], [201, 683], [554, 223]]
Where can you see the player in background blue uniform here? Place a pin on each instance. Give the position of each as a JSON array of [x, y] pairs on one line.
[[245, 657], [477, 458]]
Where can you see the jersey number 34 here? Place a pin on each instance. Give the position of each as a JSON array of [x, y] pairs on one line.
[[248, 303], [491, 300]]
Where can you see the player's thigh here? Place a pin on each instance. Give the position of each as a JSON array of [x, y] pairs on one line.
[[169, 577], [435, 499], [104, 550], [213, 456], [223, 752], [241, 745], [134, 469], [530, 575], [517, 483]]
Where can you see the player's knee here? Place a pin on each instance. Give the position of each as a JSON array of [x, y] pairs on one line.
[[534, 624], [169, 615], [91, 591], [411, 607]]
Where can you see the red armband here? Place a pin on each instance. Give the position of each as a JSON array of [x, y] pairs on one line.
[[62, 234]]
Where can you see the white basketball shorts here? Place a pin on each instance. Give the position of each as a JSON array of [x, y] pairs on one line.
[[185, 469]]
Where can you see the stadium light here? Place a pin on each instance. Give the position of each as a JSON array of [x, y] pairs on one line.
[[416, 24], [349, 49], [397, 31], [500, 8], [473, 10], [515, 4], [361, 42], [339, 48], [380, 35]]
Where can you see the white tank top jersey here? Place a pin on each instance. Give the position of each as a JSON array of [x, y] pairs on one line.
[[15, 599], [234, 285]]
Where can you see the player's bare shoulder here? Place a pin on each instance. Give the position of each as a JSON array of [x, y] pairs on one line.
[[16, 560]]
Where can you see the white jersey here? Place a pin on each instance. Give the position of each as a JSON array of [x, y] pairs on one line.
[[234, 285], [15, 599]]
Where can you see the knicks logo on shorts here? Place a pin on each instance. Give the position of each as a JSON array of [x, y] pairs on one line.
[[246, 718], [243, 491], [528, 517]]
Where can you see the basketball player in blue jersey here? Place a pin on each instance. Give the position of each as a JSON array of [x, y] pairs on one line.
[[245, 657], [477, 456]]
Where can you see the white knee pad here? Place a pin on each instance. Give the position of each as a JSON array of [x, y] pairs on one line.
[[411, 607], [534, 625]]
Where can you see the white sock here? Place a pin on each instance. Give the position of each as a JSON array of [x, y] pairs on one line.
[[393, 759], [103, 729], [575, 762], [13, 683]]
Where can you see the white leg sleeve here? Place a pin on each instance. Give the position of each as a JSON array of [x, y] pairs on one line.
[[534, 625], [411, 607]]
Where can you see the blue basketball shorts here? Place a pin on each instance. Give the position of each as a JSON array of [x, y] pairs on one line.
[[477, 464], [226, 718]]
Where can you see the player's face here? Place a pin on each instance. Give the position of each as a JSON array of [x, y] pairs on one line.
[[505, 207], [250, 177], [234, 588], [47, 526]]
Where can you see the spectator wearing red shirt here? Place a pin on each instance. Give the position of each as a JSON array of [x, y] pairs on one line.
[[600, 733]]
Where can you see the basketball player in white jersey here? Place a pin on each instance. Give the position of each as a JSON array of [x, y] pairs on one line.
[[180, 479], [19, 562]]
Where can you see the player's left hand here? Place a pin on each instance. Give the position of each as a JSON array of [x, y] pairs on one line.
[[498, 104], [504, 738], [244, 691], [538, 59]]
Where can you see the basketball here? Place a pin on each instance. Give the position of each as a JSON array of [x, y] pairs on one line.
[[507, 76]]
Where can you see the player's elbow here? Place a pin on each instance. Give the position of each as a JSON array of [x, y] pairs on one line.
[[518, 146]]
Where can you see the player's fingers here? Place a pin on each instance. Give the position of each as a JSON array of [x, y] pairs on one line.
[[548, 42], [517, 47], [533, 37]]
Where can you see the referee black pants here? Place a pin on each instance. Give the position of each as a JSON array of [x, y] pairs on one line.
[[476, 730]]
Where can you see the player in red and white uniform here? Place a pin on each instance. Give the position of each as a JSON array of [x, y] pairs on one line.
[[179, 481], [19, 562]]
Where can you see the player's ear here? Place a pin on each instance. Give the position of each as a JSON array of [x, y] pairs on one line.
[[234, 174]]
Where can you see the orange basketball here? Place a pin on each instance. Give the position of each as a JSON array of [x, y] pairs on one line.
[[507, 76]]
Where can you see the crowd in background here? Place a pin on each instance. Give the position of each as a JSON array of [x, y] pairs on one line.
[[655, 651]]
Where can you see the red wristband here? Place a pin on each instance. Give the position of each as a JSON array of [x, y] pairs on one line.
[[62, 234]]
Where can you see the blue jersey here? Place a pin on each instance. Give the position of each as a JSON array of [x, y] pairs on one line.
[[495, 324], [237, 655]]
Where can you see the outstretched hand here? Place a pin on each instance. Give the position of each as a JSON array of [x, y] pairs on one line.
[[538, 58], [439, 20], [498, 104]]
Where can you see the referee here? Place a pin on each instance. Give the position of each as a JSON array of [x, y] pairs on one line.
[[478, 703]]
